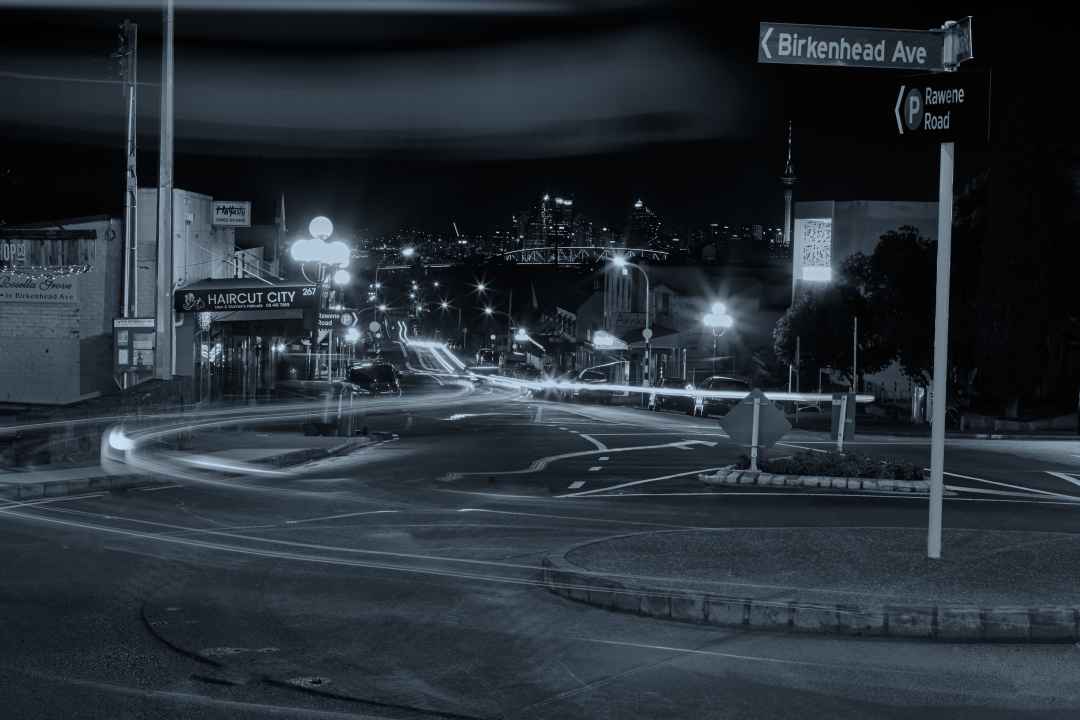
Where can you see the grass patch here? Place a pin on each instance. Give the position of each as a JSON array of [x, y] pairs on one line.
[[836, 464]]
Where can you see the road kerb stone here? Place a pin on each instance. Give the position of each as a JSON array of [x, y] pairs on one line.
[[1052, 623], [688, 608], [656, 605], [815, 619], [1004, 624], [766, 615], [727, 612], [911, 621], [960, 623], [858, 620]]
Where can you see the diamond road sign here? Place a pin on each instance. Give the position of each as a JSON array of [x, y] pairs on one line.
[[739, 422], [790, 44]]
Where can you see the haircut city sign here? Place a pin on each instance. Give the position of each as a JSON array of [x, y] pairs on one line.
[[284, 297]]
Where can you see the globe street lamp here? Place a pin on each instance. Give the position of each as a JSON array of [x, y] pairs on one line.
[[720, 322], [408, 252], [326, 255], [623, 264]]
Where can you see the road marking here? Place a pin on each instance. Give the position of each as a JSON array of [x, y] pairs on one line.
[[1001, 484], [802, 447], [711, 433], [163, 487], [713, 653], [596, 468], [540, 464], [599, 445], [1064, 476], [562, 428], [46, 501], [338, 517], [576, 484], [603, 458], [988, 491], [636, 482]]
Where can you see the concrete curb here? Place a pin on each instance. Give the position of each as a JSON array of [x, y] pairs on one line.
[[72, 486], [730, 476], [97, 483], [947, 623]]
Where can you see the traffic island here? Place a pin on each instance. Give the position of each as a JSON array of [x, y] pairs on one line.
[[829, 470], [990, 586]]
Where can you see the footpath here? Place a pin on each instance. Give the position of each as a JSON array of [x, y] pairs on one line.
[[276, 449], [990, 586]]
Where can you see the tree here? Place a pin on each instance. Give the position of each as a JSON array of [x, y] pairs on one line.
[[821, 322]]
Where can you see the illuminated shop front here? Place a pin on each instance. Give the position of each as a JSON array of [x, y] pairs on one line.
[[246, 336]]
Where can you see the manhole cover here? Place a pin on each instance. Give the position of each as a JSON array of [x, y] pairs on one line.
[[313, 681]]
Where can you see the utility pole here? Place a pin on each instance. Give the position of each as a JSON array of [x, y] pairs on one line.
[[164, 315], [127, 54], [855, 357]]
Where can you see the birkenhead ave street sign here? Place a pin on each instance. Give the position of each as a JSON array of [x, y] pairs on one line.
[[790, 44]]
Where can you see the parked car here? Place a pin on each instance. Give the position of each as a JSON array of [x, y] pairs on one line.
[[719, 406], [375, 378], [594, 378], [684, 403]]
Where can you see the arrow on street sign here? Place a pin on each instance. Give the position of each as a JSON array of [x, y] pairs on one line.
[[792, 44]]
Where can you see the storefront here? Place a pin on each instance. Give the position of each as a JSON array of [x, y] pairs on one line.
[[240, 338]]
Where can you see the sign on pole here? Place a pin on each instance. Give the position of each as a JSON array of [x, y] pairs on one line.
[[232, 213], [942, 108], [771, 422], [790, 44]]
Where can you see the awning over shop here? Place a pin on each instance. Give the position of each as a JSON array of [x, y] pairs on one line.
[[245, 294]]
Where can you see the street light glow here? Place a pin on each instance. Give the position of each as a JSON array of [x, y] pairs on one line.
[[488, 311], [408, 252], [342, 277], [444, 305], [480, 287], [619, 261], [383, 308], [320, 227]]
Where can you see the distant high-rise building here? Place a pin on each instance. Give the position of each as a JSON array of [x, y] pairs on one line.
[[583, 231], [643, 227], [549, 223]]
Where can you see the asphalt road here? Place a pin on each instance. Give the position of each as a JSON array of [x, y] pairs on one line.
[[402, 581]]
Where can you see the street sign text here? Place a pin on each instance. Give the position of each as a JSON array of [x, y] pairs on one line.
[[790, 44]]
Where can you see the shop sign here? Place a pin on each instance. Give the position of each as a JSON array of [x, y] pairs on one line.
[[265, 297], [19, 287]]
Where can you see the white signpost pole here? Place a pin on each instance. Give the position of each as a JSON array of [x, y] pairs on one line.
[[941, 327], [754, 435]]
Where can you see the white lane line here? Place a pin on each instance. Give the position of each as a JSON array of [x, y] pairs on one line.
[[562, 427], [988, 491], [714, 653], [1064, 476], [162, 487], [47, 501], [576, 484], [596, 468], [705, 431], [540, 464], [338, 517], [599, 445], [603, 458], [802, 447], [1001, 484], [636, 482]]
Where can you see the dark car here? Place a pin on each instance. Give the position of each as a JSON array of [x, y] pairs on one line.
[[375, 378], [596, 379], [721, 406], [683, 403]]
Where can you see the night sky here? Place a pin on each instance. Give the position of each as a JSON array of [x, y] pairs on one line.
[[411, 117]]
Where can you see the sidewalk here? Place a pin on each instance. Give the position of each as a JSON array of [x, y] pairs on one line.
[[990, 585], [274, 449]]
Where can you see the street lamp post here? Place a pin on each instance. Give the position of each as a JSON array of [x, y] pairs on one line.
[[719, 321], [326, 255], [622, 263]]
